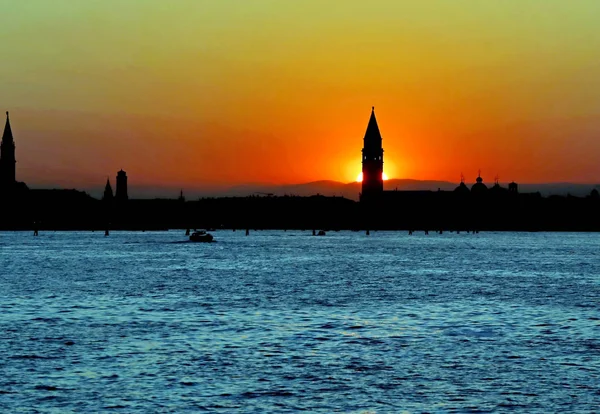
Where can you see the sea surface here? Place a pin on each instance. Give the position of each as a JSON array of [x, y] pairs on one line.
[[143, 322]]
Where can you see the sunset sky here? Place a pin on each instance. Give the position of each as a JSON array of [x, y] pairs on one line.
[[200, 93]]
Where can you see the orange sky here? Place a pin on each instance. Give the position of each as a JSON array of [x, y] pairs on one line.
[[200, 92]]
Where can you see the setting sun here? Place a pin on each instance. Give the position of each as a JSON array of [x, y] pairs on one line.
[[360, 177]]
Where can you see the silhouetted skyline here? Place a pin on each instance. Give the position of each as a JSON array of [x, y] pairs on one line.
[[372, 140], [349, 190], [478, 208]]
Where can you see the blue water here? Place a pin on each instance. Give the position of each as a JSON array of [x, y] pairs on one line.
[[283, 321]]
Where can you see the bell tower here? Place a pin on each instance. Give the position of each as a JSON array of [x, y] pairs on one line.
[[372, 160], [121, 194], [7, 157]]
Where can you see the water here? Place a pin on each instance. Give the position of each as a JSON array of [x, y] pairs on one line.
[[283, 321]]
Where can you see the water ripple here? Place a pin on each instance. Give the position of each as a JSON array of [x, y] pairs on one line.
[[343, 323]]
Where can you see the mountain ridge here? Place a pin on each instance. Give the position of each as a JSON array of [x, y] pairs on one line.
[[349, 190]]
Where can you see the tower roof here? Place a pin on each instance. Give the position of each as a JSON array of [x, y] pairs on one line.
[[108, 194], [7, 136], [372, 136]]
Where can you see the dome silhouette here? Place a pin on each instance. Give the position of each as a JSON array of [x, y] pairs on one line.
[[462, 188], [479, 186]]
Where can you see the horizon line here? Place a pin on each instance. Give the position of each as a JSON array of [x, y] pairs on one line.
[[205, 186]]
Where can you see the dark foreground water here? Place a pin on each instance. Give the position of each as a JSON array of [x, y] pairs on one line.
[[283, 322]]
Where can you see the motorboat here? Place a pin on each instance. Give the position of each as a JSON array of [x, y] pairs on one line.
[[201, 236]]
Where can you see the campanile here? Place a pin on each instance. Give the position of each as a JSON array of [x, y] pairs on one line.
[[372, 159], [7, 157]]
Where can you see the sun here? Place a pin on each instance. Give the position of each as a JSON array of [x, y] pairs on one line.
[[360, 177]]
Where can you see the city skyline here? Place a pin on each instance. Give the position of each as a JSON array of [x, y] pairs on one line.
[[376, 178], [276, 93]]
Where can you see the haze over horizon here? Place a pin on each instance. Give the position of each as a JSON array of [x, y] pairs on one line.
[[209, 94]]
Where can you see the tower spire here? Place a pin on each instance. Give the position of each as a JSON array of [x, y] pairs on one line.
[[108, 193], [7, 136], [7, 156], [372, 135]]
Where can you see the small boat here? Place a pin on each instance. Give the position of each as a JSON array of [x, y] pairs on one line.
[[201, 236], [321, 233]]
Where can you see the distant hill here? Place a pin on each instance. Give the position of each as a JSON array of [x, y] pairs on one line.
[[352, 190], [332, 188]]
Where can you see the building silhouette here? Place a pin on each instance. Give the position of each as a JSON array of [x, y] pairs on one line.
[[121, 194], [108, 192], [462, 187], [7, 157], [372, 173], [479, 187], [372, 160]]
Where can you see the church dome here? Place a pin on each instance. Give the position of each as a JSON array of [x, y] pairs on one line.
[[479, 186], [462, 188], [498, 190]]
